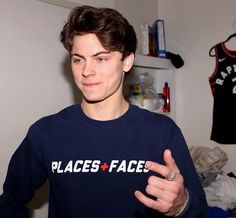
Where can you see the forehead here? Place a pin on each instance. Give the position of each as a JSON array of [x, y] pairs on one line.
[[90, 45], [87, 42]]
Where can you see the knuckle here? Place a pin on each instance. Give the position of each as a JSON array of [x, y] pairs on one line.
[[166, 208], [154, 206], [151, 180], [181, 178], [176, 189], [148, 189]]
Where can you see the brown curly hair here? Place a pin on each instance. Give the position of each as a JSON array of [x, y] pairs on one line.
[[112, 29]]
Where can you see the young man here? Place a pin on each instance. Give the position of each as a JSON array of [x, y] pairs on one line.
[[104, 158]]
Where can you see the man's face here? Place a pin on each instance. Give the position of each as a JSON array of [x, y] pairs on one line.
[[97, 72]]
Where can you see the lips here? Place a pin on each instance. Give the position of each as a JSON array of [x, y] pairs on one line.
[[91, 84]]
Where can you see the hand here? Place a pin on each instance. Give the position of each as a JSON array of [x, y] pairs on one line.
[[169, 192]]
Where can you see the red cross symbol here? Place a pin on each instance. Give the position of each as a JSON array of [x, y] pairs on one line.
[[104, 166]]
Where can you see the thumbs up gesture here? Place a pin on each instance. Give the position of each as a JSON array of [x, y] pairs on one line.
[[169, 193]]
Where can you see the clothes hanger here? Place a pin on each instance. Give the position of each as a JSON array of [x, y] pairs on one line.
[[211, 49], [229, 38], [210, 52]]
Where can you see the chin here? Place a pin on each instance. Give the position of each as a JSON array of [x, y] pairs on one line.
[[92, 100]]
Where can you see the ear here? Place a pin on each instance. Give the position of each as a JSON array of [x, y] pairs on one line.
[[128, 62]]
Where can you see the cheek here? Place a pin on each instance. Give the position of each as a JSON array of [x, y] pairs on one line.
[[76, 72], [112, 72]]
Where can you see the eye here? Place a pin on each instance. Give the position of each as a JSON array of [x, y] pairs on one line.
[[101, 59], [78, 60]]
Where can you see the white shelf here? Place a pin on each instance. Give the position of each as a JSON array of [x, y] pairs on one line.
[[145, 61]]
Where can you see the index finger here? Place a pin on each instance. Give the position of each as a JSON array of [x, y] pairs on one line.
[[166, 170], [158, 168]]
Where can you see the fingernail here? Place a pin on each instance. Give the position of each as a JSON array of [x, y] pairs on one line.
[[148, 164]]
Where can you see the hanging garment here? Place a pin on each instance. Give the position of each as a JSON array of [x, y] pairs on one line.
[[223, 86]]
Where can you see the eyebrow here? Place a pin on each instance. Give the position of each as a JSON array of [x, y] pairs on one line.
[[94, 55]]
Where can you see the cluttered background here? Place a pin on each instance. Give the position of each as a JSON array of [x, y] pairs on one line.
[[33, 59]]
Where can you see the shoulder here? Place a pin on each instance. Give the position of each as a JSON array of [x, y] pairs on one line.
[[160, 126], [156, 120], [57, 120]]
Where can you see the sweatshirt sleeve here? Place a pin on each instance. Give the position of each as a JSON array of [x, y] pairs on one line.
[[197, 205], [25, 174]]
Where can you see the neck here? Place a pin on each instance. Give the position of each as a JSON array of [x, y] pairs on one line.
[[104, 110]]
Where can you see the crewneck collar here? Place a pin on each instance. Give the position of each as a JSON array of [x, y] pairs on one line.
[[102, 124]]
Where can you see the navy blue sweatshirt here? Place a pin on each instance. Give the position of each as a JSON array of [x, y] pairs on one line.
[[94, 167]]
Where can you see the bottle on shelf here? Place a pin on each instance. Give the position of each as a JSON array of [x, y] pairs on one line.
[[166, 96]]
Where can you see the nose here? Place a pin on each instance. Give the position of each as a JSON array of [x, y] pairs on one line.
[[88, 69]]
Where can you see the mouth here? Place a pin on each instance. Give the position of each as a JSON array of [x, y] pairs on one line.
[[91, 84]]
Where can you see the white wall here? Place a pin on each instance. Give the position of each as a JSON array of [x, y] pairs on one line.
[[192, 28], [32, 75], [74, 3], [97, 3]]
